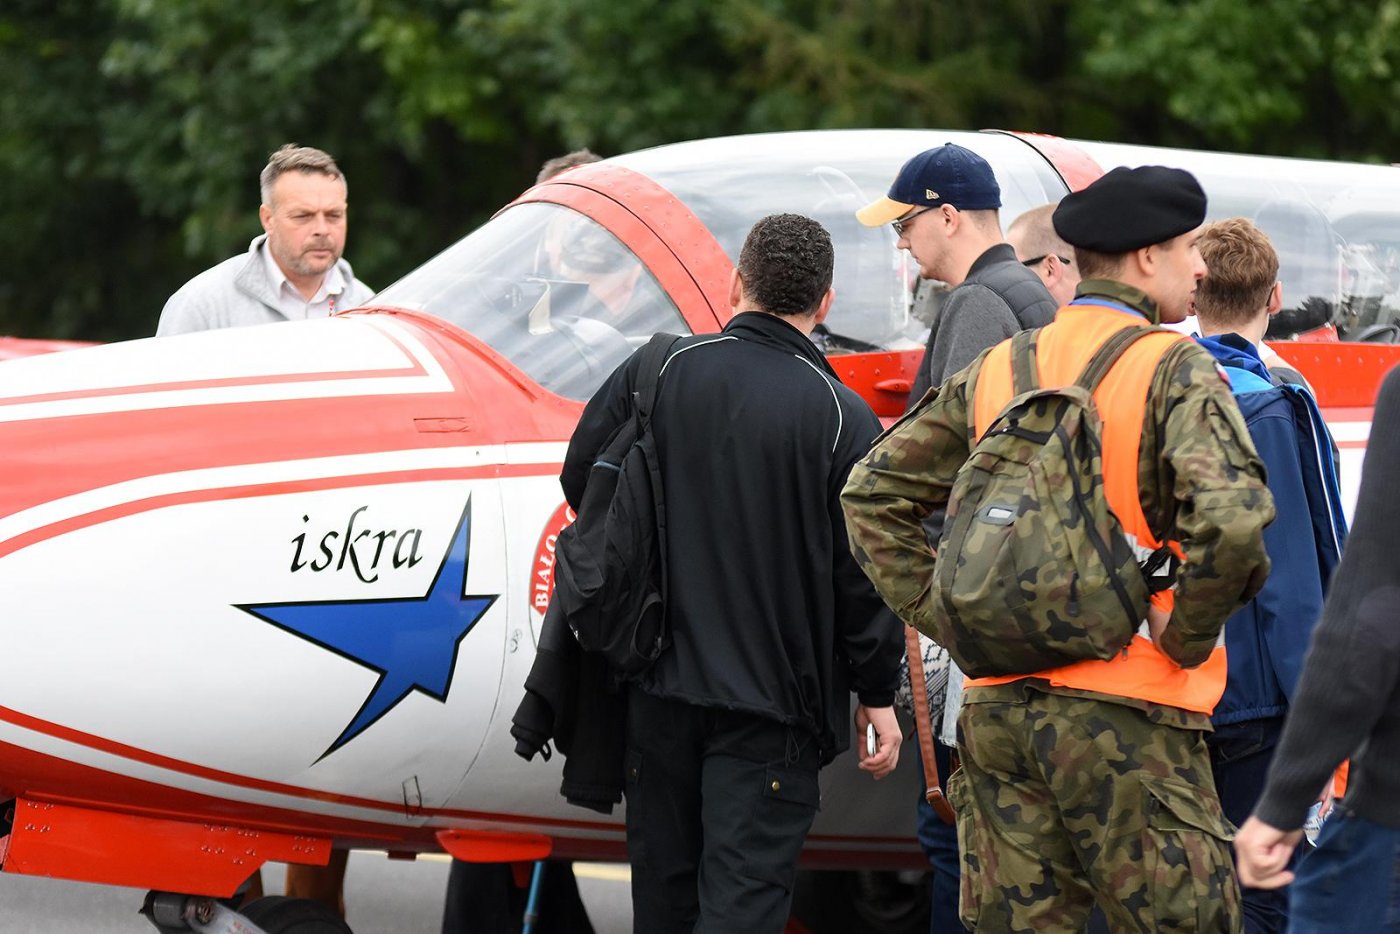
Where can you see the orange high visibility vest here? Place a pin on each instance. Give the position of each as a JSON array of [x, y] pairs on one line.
[[1063, 349]]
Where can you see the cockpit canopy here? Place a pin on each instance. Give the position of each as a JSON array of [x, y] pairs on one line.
[[548, 288], [566, 299], [731, 182], [1335, 225]]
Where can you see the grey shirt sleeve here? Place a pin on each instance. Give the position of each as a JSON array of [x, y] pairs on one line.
[[972, 319], [183, 314]]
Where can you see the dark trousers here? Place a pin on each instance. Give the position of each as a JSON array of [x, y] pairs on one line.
[[1351, 882], [718, 806], [939, 841], [1240, 754]]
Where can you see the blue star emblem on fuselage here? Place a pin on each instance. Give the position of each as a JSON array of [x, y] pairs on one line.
[[411, 642]]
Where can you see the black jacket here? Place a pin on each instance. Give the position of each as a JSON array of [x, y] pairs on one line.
[[1348, 701], [570, 698], [768, 611]]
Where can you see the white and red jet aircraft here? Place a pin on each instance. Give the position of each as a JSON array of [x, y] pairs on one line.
[[273, 590]]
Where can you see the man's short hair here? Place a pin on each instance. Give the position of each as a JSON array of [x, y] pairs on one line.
[[567, 161], [786, 264], [1095, 265], [1037, 234], [986, 220], [1242, 267], [293, 158]]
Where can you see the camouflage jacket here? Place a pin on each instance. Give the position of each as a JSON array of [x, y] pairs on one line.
[[1200, 482]]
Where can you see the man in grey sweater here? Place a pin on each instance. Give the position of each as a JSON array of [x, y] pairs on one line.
[[292, 272], [943, 205], [1347, 706]]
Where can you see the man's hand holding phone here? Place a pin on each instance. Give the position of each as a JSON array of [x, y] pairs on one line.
[[880, 760]]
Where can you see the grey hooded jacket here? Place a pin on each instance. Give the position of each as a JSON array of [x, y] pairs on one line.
[[239, 292]]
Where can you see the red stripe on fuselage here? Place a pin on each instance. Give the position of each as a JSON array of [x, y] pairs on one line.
[[383, 478], [412, 367], [52, 458]]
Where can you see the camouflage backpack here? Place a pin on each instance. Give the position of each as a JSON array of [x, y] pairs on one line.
[[1034, 570]]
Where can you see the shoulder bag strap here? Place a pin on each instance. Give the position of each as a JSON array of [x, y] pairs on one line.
[[923, 726], [652, 358]]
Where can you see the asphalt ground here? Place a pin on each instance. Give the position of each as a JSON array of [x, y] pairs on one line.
[[382, 896]]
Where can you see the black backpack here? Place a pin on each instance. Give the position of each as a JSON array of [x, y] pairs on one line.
[[610, 564]]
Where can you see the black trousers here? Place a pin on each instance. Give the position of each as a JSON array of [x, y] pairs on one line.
[[718, 806], [1240, 754]]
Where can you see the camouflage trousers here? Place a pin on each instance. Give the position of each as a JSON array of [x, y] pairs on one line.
[[1063, 801]]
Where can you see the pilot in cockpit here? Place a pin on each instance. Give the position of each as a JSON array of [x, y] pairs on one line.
[[590, 274]]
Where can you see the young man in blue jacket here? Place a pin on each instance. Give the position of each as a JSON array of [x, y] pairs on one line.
[[1266, 640]]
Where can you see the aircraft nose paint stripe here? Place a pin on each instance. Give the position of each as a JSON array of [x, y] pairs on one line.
[[28, 526], [416, 372]]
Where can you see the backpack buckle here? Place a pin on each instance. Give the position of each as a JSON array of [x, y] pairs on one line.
[[1159, 570]]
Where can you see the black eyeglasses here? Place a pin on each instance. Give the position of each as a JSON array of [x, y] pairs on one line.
[[900, 225], [1037, 260]]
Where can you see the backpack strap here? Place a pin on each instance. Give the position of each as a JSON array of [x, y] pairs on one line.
[[651, 359], [1023, 362], [1103, 359], [1094, 373]]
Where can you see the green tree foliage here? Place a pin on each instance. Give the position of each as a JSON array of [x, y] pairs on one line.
[[1290, 77], [208, 88], [71, 256], [132, 131]]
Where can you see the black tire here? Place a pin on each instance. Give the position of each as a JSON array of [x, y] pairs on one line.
[[278, 914], [863, 902]]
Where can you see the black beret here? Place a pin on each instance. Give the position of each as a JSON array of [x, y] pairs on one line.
[[1131, 208]]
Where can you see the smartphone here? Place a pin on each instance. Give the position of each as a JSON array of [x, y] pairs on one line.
[[870, 739]]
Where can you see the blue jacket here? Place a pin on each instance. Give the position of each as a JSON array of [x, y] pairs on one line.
[[1265, 641]]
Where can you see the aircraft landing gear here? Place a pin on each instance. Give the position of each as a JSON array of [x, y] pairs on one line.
[[278, 914], [273, 914]]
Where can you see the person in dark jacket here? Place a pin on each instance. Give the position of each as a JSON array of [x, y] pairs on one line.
[[1265, 641], [943, 205], [1347, 706], [773, 623]]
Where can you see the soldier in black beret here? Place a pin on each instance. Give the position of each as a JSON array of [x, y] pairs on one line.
[[1134, 235], [1113, 801]]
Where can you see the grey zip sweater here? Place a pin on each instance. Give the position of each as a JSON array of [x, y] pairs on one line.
[[1348, 700], [239, 292], [998, 298]]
